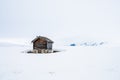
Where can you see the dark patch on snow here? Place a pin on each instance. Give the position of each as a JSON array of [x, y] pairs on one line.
[[73, 44], [41, 52], [88, 44]]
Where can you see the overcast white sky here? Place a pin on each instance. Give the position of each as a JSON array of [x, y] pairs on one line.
[[60, 18]]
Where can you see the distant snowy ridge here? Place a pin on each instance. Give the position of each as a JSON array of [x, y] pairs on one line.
[[88, 44], [57, 43], [93, 43], [7, 44], [13, 42]]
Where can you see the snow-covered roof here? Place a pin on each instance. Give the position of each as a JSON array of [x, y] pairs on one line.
[[39, 37]]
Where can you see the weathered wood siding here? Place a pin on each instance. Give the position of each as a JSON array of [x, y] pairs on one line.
[[40, 44], [49, 45]]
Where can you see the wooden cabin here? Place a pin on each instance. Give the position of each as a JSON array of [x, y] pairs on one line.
[[40, 43]]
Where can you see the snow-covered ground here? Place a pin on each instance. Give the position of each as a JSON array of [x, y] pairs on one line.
[[92, 27], [73, 63]]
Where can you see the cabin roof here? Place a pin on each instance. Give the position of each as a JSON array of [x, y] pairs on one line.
[[39, 37]]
